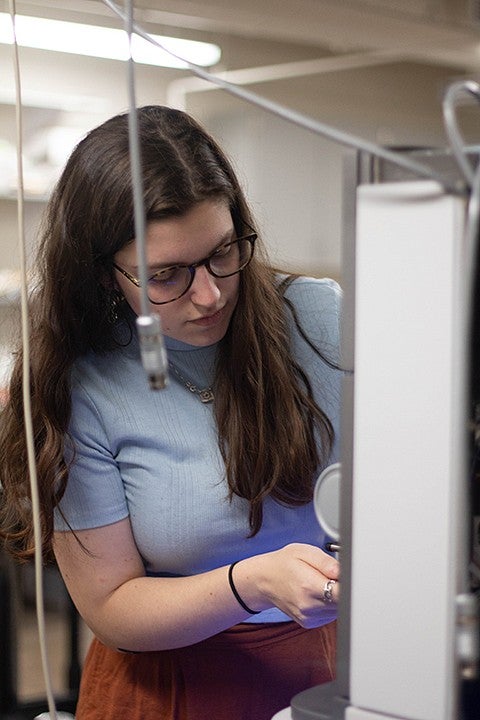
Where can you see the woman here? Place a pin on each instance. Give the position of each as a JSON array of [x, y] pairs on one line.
[[181, 519]]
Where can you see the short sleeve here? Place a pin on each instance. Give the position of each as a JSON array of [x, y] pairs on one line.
[[95, 494]]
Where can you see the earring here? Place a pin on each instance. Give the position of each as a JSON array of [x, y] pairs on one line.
[[116, 301]]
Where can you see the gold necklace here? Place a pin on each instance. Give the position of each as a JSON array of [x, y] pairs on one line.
[[205, 396]]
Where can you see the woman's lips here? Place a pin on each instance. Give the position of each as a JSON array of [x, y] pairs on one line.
[[209, 320]]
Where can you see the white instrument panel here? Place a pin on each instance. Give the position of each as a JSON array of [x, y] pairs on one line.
[[409, 516]]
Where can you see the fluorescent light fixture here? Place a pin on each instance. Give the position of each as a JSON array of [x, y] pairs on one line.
[[104, 42]]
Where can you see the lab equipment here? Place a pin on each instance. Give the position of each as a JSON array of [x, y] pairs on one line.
[[408, 619]]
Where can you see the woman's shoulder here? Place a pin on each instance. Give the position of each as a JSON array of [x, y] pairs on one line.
[[95, 370], [306, 281], [315, 312], [310, 292]]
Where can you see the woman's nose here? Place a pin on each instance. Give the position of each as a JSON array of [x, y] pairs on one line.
[[204, 289]]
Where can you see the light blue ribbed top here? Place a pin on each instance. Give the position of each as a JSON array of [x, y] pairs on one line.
[[154, 456]]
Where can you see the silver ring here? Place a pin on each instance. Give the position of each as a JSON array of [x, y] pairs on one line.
[[328, 591]]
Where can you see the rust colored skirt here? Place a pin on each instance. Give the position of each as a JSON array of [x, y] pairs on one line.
[[249, 672]]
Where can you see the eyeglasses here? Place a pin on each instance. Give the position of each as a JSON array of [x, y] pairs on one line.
[[171, 283]]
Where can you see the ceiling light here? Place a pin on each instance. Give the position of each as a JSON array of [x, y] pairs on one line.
[[104, 42]]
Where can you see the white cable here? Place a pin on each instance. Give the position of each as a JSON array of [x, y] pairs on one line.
[[451, 126], [135, 164], [152, 346], [26, 384], [304, 121], [471, 245], [472, 222]]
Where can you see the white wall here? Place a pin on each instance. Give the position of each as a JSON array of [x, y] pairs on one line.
[[293, 181]]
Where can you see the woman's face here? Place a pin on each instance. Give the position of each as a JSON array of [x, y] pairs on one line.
[[201, 316]]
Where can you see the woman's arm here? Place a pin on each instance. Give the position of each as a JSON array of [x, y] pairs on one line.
[[125, 609]]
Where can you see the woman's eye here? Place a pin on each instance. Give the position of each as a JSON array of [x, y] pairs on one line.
[[223, 251], [165, 277]]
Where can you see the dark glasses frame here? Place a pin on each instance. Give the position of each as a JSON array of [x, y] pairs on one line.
[[251, 237]]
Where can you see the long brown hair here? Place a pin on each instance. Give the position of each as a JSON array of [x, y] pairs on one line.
[[74, 309]]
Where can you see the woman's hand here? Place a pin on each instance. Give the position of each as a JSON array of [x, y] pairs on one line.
[[293, 579]]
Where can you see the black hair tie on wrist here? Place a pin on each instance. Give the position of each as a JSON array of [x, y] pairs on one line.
[[235, 592]]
